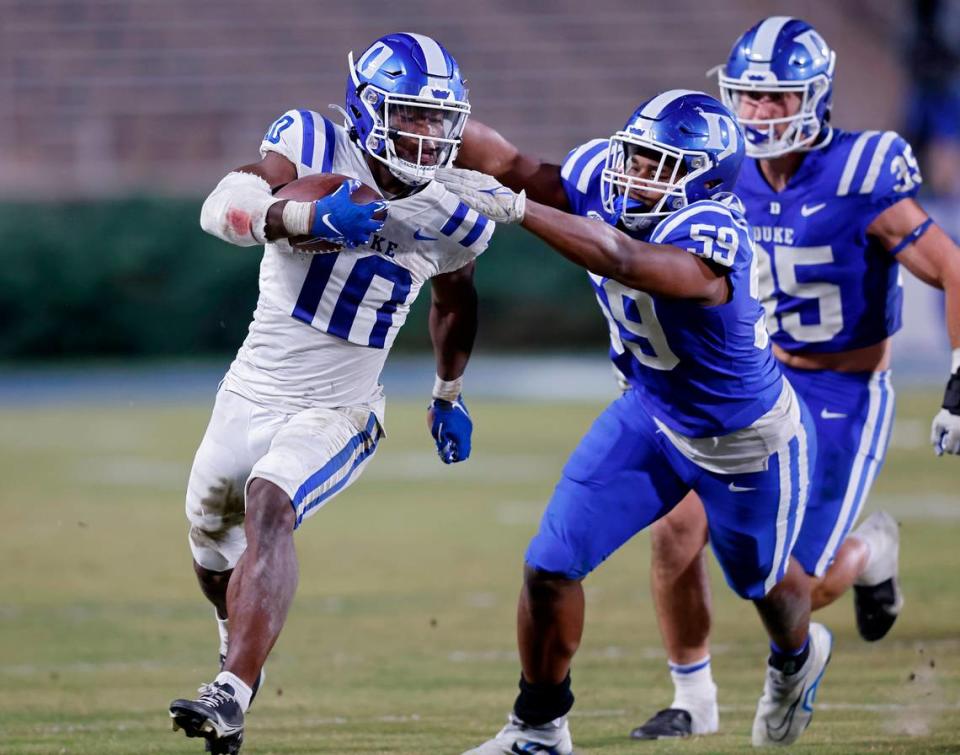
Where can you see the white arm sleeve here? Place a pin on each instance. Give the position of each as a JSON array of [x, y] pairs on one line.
[[236, 210]]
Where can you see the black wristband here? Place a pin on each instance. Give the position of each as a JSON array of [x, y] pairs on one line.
[[951, 396]]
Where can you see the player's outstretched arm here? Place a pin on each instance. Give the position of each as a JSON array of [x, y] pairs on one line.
[[486, 150], [926, 251], [453, 328], [660, 269], [242, 210]]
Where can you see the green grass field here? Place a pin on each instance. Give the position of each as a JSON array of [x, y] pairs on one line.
[[401, 639]]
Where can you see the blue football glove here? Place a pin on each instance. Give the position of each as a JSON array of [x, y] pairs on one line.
[[451, 427], [336, 218]]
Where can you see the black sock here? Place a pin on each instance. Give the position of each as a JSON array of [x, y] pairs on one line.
[[538, 704], [789, 661]]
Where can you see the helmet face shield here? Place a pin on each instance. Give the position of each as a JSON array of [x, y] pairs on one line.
[[644, 179], [420, 134], [772, 137]]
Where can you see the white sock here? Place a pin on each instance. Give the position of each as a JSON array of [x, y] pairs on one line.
[[240, 690], [223, 629], [695, 692]]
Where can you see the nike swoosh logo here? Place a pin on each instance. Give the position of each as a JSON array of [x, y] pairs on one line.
[[779, 732], [423, 237], [734, 488], [827, 414], [495, 191], [326, 221], [808, 210], [533, 747]]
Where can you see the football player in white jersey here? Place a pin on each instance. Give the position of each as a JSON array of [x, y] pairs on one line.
[[300, 411]]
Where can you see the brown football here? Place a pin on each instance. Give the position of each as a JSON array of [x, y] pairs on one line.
[[317, 186]]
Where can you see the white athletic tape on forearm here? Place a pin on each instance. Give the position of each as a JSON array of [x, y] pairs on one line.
[[448, 390], [236, 210], [296, 217]]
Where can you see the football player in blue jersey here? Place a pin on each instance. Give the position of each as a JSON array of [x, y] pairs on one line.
[[834, 215], [649, 214], [300, 412]]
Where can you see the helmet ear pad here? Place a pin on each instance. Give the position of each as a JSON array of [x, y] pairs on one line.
[[365, 111]]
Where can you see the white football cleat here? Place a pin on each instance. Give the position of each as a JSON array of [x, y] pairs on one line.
[[786, 707], [877, 598], [517, 738]]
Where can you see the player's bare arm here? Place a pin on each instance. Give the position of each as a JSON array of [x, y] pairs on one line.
[[659, 269], [453, 328], [931, 255], [486, 150], [453, 320], [905, 229]]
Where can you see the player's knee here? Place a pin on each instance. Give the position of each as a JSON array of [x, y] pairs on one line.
[[269, 509], [545, 587], [212, 579], [549, 555], [215, 513], [678, 540]]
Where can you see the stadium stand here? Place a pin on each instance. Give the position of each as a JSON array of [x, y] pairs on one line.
[[104, 97]]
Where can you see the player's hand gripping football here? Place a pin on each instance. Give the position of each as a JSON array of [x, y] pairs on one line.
[[451, 428], [338, 220], [484, 194], [945, 433]]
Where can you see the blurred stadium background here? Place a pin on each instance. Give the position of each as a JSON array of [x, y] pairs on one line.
[[119, 316]]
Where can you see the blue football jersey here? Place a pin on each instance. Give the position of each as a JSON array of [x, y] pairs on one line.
[[701, 371], [827, 286]]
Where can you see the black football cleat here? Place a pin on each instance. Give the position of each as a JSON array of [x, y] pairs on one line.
[[253, 693], [668, 723], [877, 598], [876, 607], [215, 715]]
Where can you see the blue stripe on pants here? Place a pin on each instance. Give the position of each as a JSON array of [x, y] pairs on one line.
[[328, 470]]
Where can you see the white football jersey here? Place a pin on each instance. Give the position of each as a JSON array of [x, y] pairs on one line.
[[324, 323]]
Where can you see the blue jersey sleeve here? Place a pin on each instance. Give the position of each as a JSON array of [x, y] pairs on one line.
[[304, 137], [580, 175], [882, 170], [709, 230], [899, 174]]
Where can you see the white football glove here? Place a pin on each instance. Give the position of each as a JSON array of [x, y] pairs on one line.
[[945, 433], [484, 194]]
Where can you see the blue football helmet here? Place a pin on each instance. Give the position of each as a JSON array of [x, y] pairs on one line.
[[690, 148], [407, 105], [780, 54]]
